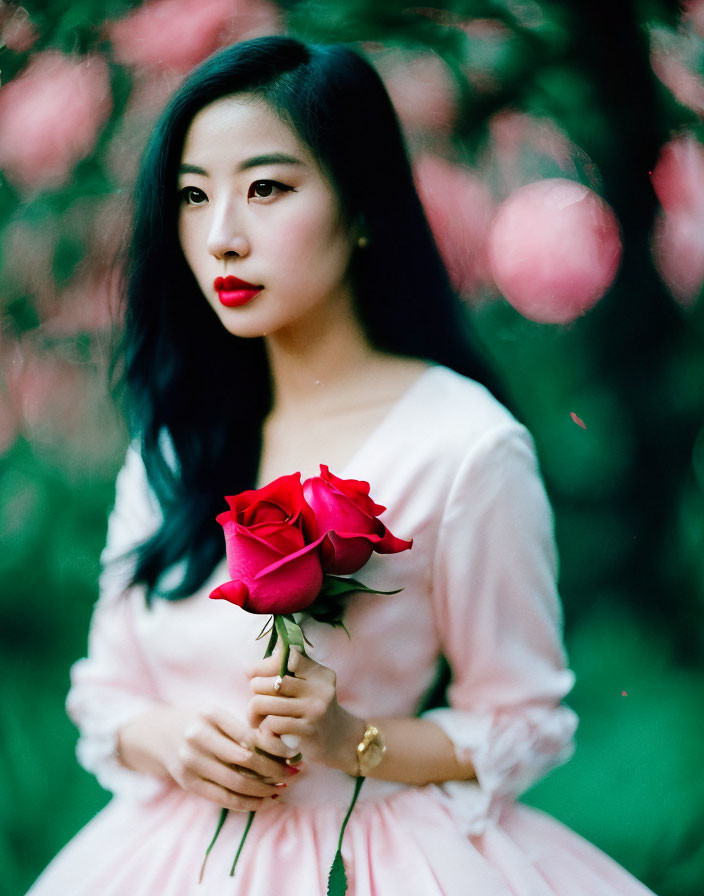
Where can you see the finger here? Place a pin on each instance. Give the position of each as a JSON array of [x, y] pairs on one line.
[[271, 666], [279, 725], [228, 724], [288, 686], [265, 764], [210, 741], [271, 744], [261, 705], [226, 798], [236, 780]]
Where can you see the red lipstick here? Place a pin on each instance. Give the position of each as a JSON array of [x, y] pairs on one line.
[[234, 292]]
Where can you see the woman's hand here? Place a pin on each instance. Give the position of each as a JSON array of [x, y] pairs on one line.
[[210, 753], [305, 705]]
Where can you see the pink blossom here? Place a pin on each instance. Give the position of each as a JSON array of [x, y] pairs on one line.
[[693, 12], [480, 68], [178, 34], [46, 392], [678, 235], [554, 249], [9, 419], [16, 30], [674, 58], [50, 117], [521, 147], [421, 89], [678, 176], [59, 405], [459, 208]]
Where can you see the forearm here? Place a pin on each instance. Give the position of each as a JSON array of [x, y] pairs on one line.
[[417, 751]]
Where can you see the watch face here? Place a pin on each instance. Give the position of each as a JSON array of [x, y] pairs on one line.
[[371, 755]]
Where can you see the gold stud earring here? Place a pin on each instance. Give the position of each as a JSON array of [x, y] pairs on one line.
[[363, 242]]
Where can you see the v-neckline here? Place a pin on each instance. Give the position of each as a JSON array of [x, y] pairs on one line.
[[379, 428], [392, 412]]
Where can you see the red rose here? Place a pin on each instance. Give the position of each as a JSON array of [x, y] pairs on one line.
[[346, 517], [272, 549]]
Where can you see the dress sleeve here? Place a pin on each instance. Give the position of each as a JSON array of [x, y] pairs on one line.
[[499, 620], [113, 684]]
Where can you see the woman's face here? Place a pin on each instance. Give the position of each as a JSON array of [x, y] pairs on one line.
[[255, 206]]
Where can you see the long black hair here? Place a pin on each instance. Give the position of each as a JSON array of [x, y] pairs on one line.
[[196, 395]]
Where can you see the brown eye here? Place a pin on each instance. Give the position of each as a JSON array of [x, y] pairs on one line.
[[266, 189], [262, 189], [192, 196]]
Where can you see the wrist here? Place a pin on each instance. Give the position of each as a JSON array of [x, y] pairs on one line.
[[351, 731]]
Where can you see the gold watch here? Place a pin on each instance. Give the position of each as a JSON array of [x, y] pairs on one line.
[[370, 750]]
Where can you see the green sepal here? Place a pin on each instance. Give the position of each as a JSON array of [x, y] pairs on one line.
[[336, 586], [273, 638], [290, 632]]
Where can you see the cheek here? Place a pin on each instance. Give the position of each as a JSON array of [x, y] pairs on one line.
[[321, 239], [190, 240]]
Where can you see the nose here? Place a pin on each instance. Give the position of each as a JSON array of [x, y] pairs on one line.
[[227, 237]]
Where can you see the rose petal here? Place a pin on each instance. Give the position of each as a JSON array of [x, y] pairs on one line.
[[334, 510], [247, 554], [289, 585], [349, 553], [234, 592]]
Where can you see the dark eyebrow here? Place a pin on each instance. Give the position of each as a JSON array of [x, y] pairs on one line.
[[273, 158], [191, 169]]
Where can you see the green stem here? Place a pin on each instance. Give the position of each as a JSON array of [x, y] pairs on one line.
[[337, 878], [221, 822], [284, 659], [250, 819], [357, 788]]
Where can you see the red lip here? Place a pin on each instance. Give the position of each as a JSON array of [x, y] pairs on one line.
[[234, 292]]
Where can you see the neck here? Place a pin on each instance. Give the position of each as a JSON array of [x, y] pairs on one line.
[[312, 366]]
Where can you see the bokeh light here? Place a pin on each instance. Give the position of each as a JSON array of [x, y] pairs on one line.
[[554, 249], [559, 155]]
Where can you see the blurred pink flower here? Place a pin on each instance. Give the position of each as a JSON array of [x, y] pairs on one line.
[[678, 235], [8, 425], [61, 405], [9, 420], [46, 392], [520, 146], [16, 30], [50, 116], [554, 249], [87, 305], [178, 34], [674, 57], [28, 253], [487, 40], [459, 208], [421, 89], [693, 12]]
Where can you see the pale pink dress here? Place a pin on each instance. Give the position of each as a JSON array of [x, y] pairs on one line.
[[459, 476]]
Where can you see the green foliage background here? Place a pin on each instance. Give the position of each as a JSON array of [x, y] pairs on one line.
[[627, 490]]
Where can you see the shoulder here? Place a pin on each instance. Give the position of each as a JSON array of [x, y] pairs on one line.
[[459, 418]]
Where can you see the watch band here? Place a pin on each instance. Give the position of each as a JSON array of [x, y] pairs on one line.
[[370, 750]]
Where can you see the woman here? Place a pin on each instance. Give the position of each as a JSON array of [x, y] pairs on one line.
[[287, 307]]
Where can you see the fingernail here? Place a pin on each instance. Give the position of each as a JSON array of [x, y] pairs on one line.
[[292, 770], [275, 796], [281, 785]]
